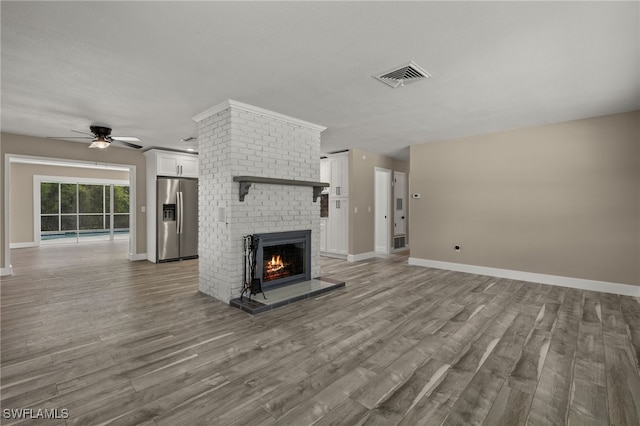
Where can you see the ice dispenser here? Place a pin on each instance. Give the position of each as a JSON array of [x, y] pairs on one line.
[[168, 212]]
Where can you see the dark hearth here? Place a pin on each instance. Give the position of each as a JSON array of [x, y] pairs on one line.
[[286, 295]]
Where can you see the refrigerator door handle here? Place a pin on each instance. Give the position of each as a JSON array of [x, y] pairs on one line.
[[178, 213], [181, 212]]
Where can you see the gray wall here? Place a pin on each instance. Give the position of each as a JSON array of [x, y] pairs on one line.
[[561, 199]]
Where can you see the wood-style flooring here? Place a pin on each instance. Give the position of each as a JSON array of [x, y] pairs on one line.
[[119, 342]]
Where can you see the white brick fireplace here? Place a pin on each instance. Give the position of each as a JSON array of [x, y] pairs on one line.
[[236, 139]]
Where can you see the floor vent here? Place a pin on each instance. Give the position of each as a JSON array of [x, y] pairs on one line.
[[398, 77], [398, 242]]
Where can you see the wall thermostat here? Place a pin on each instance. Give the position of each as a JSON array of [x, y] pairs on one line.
[[416, 195]]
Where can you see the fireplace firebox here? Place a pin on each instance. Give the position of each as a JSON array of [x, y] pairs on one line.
[[283, 258]]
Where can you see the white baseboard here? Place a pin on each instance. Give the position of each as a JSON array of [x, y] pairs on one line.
[[360, 256], [6, 271], [23, 245], [137, 256], [334, 255], [579, 283]]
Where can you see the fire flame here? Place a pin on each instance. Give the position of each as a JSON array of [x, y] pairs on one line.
[[275, 264]]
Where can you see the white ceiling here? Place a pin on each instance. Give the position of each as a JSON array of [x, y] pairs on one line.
[[145, 68]]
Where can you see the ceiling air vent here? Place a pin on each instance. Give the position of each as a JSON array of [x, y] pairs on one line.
[[405, 74]]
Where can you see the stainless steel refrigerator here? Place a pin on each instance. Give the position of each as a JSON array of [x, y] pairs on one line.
[[177, 218]]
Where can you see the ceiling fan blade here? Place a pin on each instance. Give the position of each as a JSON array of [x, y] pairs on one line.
[[130, 145], [69, 137], [84, 133], [125, 138]]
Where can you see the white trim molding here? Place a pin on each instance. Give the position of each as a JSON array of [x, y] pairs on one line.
[[334, 255], [361, 256], [230, 103], [37, 182], [23, 245], [579, 283], [6, 271], [6, 261], [137, 256]]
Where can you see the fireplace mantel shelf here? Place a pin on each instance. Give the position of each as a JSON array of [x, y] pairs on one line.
[[246, 181]]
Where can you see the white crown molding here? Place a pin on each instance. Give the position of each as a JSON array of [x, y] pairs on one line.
[[579, 283], [360, 256], [48, 161], [230, 103]]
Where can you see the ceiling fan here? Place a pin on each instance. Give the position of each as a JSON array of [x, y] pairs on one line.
[[101, 138]]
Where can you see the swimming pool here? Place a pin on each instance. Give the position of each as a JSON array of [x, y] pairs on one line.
[[117, 234]]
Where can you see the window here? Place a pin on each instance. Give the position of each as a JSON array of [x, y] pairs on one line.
[[49, 206], [82, 210], [121, 207]]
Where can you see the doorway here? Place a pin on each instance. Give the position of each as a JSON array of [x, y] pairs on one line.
[[381, 212]]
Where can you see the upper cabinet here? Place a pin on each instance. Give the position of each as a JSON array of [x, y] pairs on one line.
[[339, 174], [325, 173], [175, 164]]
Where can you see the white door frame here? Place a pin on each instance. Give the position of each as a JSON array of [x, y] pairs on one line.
[[38, 179], [382, 214]]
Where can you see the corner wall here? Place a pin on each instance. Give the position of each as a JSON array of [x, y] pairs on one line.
[[561, 199]]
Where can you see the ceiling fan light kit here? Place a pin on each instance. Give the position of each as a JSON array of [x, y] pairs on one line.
[[101, 138], [99, 142]]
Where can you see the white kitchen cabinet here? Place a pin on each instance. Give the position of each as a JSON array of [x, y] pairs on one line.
[[338, 227], [335, 170], [339, 174], [175, 164]]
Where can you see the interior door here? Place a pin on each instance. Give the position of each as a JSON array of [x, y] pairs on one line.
[[399, 203], [382, 201]]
